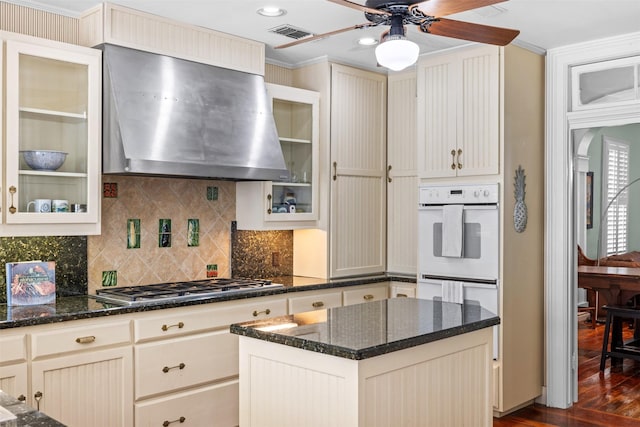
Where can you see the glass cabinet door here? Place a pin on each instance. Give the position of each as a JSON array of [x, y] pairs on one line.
[[296, 114], [53, 139]]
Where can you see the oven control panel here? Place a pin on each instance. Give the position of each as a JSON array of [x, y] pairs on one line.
[[458, 194]]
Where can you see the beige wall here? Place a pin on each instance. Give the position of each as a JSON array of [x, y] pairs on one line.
[[151, 199]]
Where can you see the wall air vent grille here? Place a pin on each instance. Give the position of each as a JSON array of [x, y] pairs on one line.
[[290, 31]]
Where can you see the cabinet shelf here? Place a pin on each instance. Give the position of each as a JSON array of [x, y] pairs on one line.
[[295, 140], [53, 174], [54, 113]]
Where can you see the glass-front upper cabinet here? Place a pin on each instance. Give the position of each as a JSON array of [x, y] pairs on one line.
[[53, 136], [606, 84], [294, 203]]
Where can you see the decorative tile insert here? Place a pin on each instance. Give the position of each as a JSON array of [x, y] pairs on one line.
[[109, 278], [164, 233], [110, 190], [212, 270], [193, 232], [212, 193], [133, 234]]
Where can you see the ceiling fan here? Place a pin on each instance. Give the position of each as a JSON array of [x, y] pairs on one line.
[[395, 51]]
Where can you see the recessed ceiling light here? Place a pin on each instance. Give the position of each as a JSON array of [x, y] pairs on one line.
[[271, 11], [367, 41]]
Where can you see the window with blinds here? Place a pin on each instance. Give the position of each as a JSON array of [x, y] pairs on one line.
[[615, 173]]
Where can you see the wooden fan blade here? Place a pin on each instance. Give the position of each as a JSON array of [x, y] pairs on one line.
[[472, 32], [325, 35], [440, 8], [360, 7]]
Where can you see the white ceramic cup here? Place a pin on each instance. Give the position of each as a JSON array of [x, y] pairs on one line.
[[59, 206], [40, 205]]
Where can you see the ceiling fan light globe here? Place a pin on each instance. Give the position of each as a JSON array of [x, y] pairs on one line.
[[397, 54]]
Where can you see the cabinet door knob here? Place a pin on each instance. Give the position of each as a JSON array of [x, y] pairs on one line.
[[22, 398], [38, 396]]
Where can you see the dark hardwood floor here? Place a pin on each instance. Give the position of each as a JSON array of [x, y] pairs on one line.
[[611, 398]]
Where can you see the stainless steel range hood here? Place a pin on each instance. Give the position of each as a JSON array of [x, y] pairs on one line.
[[171, 117]]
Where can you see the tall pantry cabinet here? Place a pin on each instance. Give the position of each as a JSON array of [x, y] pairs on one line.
[[350, 239], [480, 117]]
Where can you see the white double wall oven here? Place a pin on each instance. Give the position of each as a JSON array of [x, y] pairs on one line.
[[458, 245]]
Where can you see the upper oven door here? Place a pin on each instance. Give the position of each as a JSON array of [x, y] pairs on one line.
[[480, 250]]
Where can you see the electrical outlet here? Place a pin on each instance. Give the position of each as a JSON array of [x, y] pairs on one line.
[[275, 259]]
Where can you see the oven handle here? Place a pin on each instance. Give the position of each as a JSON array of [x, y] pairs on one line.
[[459, 279], [490, 207]]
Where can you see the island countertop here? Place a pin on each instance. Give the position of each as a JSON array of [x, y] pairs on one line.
[[26, 416], [371, 329]]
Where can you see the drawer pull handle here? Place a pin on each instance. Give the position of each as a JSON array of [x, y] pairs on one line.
[[179, 420], [368, 297], [335, 170], [86, 340], [402, 296], [317, 304], [453, 155], [167, 368], [179, 325], [269, 204], [256, 313], [459, 154], [37, 396]]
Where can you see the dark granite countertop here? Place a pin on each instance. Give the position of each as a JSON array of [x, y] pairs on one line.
[[76, 307], [26, 416], [366, 330]]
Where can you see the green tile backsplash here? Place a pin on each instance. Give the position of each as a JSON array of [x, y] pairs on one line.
[[69, 253]]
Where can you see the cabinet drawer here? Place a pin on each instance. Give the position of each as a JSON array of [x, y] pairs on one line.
[[315, 302], [357, 296], [183, 362], [215, 406], [14, 349], [183, 321], [56, 341]]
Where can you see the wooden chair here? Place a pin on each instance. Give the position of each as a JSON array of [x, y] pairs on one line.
[[619, 349], [592, 310]]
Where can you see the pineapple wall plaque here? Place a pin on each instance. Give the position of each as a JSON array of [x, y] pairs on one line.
[[520, 208]]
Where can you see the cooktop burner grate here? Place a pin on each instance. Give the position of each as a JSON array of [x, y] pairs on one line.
[[182, 290]]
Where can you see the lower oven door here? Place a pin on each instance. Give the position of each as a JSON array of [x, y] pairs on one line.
[[480, 243], [486, 294]]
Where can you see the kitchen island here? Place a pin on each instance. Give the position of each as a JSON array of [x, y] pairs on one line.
[[397, 362], [25, 415]]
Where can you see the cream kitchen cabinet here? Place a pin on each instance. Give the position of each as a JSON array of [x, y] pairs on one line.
[[358, 164], [13, 365], [52, 102], [366, 293], [458, 113], [186, 362], [81, 373], [402, 290], [274, 205], [119, 25], [402, 174]]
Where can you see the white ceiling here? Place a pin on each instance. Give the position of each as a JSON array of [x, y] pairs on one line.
[[543, 24]]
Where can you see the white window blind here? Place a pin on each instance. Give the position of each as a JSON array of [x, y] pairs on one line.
[[615, 173]]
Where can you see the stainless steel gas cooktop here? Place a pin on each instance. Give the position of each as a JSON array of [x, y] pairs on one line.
[[180, 291]]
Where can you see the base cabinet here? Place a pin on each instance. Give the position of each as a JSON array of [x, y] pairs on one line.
[[88, 389], [213, 406], [13, 380]]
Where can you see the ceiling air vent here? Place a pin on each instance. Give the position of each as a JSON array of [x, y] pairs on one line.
[[290, 31]]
